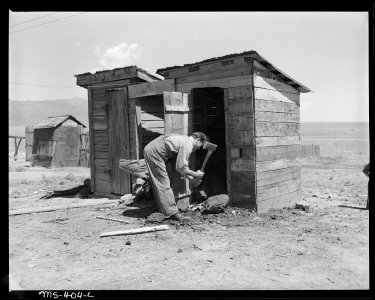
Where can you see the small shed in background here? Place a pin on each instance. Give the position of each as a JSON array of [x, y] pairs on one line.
[[58, 142]]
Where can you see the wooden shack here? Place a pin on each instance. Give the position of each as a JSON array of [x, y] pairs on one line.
[[246, 105], [57, 142]]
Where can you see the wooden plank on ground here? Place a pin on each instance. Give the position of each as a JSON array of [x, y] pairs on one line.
[[279, 188], [221, 83], [277, 152], [271, 84], [272, 95], [135, 231], [263, 166], [276, 129], [274, 106], [59, 207], [274, 176], [276, 141], [280, 201], [151, 88], [113, 219]]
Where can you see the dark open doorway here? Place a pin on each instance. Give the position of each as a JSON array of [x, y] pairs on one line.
[[209, 117]]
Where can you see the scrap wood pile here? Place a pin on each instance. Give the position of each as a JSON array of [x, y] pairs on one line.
[[210, 202], [142, 186]]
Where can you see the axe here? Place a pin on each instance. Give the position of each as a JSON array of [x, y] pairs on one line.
[[211, 148]]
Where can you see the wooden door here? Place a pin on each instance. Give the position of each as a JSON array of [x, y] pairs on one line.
[[177, 113], [177, 119], [118, 137]]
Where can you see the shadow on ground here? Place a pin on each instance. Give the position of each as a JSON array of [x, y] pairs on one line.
[[139, 210]]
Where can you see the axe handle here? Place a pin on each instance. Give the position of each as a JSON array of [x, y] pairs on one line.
[[209, 152]]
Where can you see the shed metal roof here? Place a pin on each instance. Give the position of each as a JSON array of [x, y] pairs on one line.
[[52, 122], [253, 54]]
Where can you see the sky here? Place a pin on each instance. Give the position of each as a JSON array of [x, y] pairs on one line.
[[325, 51]]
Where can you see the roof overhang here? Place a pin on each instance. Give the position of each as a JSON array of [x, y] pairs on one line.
[[125, 74], [251, 54]]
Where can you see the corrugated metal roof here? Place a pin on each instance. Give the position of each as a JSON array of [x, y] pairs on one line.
[[253, 54], [52, 122]]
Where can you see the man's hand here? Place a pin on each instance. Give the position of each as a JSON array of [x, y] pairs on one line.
[[196, 182], [199, 174]]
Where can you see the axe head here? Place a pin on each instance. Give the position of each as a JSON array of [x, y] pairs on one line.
[[209, 146]]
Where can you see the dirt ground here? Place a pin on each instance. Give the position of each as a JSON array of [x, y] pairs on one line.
[[326, 248]]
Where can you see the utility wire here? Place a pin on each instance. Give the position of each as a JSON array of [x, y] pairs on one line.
[[49, 86], [46, 23], [33, 19]]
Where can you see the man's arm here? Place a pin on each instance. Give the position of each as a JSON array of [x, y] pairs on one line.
[[195, 174], [182, 162]]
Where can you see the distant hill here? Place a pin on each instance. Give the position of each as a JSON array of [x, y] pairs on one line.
[[23, 113]]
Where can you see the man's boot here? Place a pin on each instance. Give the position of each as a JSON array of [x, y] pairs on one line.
[[179, 217]]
